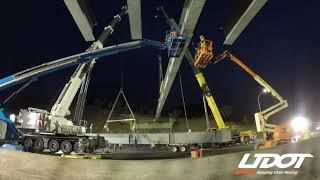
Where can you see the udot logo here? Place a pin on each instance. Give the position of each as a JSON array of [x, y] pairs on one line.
[[265, 161], [271, 160]]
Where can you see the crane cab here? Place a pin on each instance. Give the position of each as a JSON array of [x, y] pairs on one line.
[[8, 131], [3, 131]]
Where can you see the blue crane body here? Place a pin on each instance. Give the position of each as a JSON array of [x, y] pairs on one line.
[[11, 133]]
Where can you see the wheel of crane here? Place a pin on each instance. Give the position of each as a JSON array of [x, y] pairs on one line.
[[78, 148], [53, 146], [66, 147], [27, 143], [38, 145]]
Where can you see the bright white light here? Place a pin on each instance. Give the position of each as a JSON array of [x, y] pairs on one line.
[[12, 117], [317, 128], [265, 91], [300, 123]]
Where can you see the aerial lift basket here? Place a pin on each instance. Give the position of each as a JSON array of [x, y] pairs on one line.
[[204, 53], [174, 42]]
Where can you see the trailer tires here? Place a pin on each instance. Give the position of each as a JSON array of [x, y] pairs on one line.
[[66, 147], [27, 143], [38, 145], [174, 149], [53, 146], [183, 148]]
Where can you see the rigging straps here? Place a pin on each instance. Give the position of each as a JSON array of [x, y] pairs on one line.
[[18, 91]]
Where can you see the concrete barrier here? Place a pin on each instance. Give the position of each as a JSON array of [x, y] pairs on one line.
[[27, 166]]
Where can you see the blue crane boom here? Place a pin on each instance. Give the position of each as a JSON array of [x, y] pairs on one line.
[[62, 63], [8, 131]]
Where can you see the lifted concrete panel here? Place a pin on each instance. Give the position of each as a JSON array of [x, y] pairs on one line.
[[244, 20], [134, 10], [189, 18], [81, 19]]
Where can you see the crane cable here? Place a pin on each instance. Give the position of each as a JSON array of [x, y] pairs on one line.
[[18, 91], [183, 101], [82, 96]]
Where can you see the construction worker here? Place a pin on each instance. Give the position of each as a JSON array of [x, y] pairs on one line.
[[81, 146], [91, 128], [57, 126]]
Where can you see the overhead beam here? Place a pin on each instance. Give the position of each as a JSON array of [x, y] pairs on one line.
[[81, 16], [241, 15], [189, 18], [134, 10]]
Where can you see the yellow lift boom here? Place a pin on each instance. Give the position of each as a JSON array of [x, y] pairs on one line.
[[204, 56], [206, 91], [260, 117]]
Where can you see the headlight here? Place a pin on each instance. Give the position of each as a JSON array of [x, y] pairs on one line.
[[300, 123]]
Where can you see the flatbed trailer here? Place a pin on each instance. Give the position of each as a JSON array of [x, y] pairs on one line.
[[174, 141]]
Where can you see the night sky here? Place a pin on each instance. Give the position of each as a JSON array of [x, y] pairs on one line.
[[281, 44]]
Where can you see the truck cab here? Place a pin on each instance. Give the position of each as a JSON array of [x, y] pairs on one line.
[[8, 131]]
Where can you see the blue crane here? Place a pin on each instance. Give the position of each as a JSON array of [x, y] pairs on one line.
[[8, 131]]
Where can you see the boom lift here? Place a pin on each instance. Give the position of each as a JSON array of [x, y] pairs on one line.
[[280, 132], [260, 117]]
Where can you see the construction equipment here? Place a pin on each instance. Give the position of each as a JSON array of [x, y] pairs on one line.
[[233, 133], [175, 40], [68, 140], [272, 134], [80, 78], [8, 131], [187, 23], [131, 120], [206, 52], [260, 117], [248, 136]]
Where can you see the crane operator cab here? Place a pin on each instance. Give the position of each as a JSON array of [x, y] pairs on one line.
[[8, 131], [3, 130]]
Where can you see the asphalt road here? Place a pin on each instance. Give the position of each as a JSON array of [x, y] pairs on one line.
[[31, 166]]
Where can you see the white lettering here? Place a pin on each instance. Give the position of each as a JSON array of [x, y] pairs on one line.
[[292, 161], [243, 162], [271, 160], [301, 159], [266, 158]]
